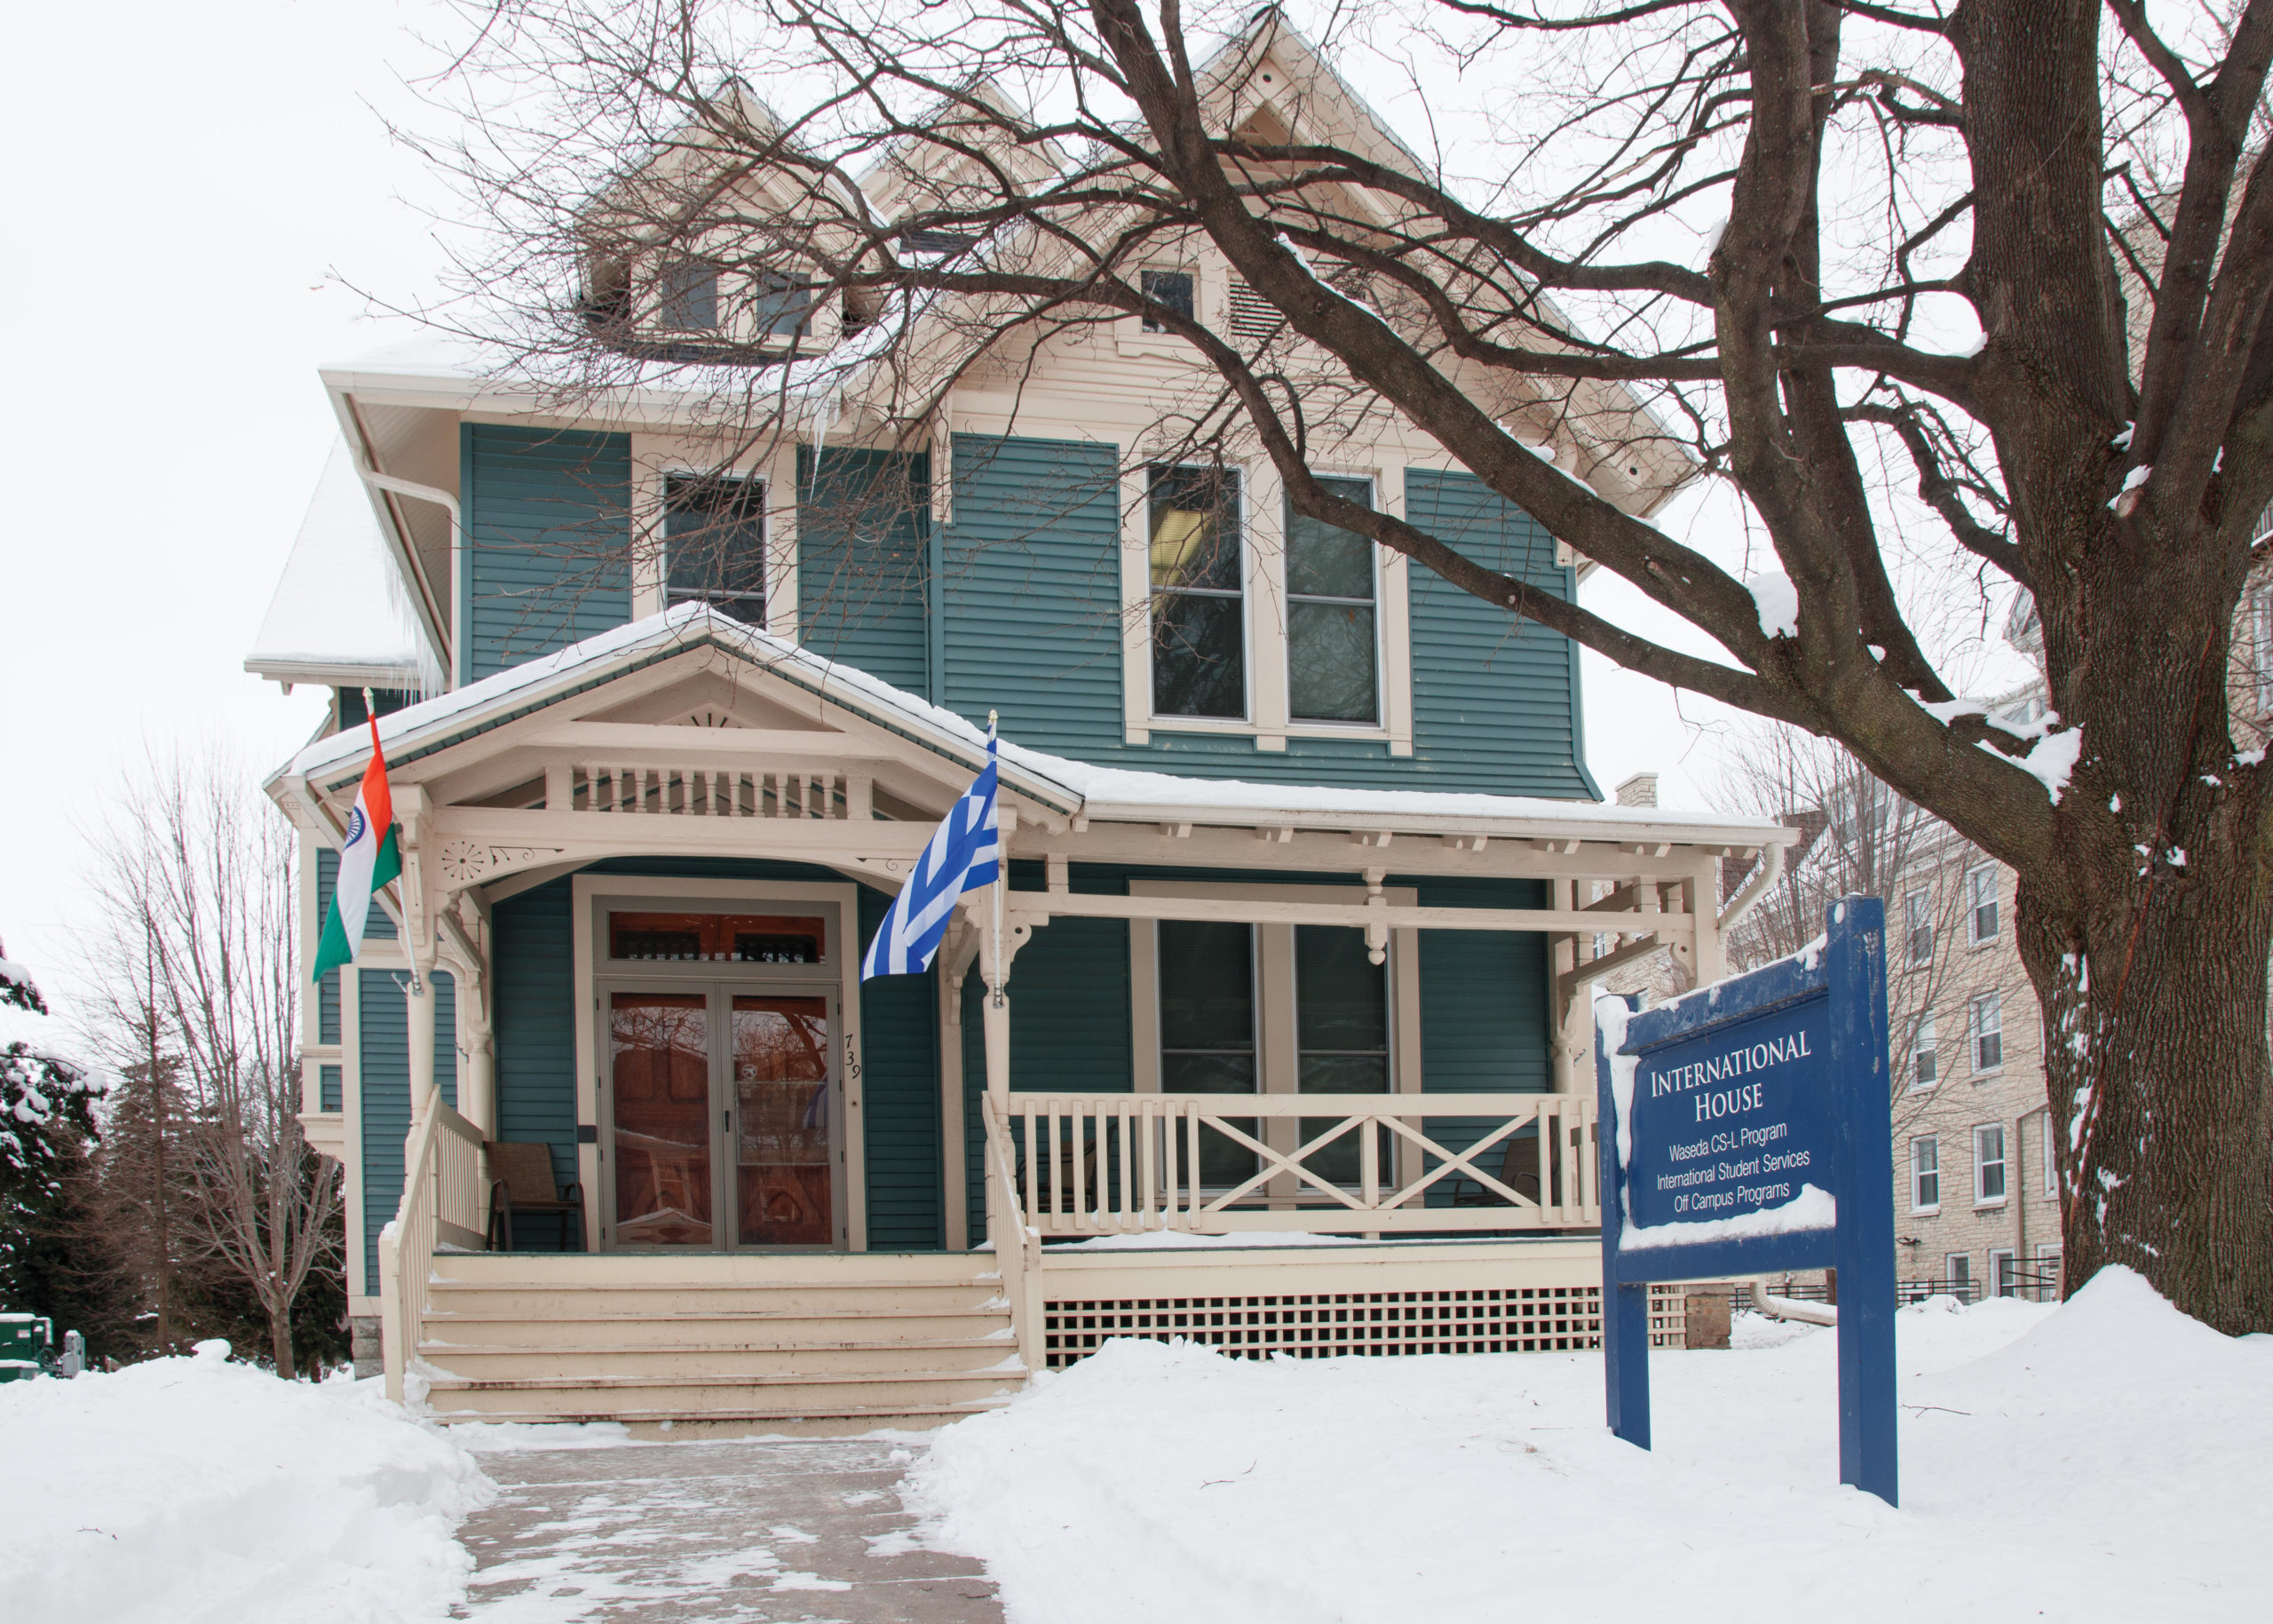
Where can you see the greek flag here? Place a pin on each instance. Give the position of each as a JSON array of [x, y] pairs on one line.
[[964, 854]]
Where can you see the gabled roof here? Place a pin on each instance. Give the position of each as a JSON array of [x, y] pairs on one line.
[[1070, 788], [341, 614]]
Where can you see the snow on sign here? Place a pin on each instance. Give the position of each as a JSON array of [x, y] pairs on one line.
[[1747, 1131]]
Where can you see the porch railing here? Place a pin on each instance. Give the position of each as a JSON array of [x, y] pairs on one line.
[[1018, 1245], [441, 1205], [707, 792], [1322, 1163]]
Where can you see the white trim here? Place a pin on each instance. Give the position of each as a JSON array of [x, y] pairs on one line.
[[586, 889], [1917, 1174], [656, 459]]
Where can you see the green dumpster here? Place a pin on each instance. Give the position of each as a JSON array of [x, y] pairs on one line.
[[24, 1342]]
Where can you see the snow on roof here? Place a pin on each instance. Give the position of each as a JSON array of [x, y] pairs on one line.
[[1101, 793], [340, 609]]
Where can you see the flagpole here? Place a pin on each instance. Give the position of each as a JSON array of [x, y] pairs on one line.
[[1001, 872]]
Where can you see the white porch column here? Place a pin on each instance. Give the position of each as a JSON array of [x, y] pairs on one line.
[[419, 996]]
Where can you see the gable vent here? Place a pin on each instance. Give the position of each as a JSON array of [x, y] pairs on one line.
[[1253, 316]]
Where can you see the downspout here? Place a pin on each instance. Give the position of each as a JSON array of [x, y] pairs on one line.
[[1772, 869]]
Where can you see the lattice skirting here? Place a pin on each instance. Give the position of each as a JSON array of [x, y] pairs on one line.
[[1326, 1325]]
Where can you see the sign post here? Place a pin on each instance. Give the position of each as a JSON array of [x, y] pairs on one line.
[[1747, 1129]]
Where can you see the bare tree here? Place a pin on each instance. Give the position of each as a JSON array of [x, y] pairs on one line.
[[2013, 255], [199, 909]]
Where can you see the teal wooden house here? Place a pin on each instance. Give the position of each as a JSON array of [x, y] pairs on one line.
[[1285, 1043]]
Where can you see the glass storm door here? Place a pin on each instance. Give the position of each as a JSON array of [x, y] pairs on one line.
[[660, 1062], [783, 1163]]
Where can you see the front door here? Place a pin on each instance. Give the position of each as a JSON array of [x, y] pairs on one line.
[[721, 1118]]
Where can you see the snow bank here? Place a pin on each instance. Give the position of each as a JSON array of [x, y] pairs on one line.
[[194, 1490], [2108, 1460]]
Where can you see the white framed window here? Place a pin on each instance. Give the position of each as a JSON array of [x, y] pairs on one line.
[[1332, 626], [1199, 592], [2051, 1157], [1989, 1164], [1985, 1030], [1957, 1271], [714, 544], [1924, 1058], [1981, 904], [1925, 1174], [1176, 290], [688, 299], [2004, 1272], [781, 306], [1918, 928]]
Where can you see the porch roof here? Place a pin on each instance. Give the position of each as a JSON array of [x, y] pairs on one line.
[[1072, 789]]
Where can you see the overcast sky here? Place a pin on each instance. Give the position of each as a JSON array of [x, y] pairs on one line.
[[191, 186]]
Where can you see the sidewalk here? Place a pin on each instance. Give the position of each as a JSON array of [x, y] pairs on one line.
[[691, 1532]]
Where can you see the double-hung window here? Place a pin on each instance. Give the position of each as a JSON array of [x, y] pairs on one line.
[[1988, 1164], [1332, 670], [1987, 1019], [714, 545], [1175, 289], [1917, 920], [1198, 592], [1981, 904], [1925, 1174], [1957, 1269], [1925, 1068], [690, 296], [1206, 981], [781, 306]]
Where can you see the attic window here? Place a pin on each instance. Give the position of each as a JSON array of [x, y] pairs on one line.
[[690, 296], [1173, 290], [782, 304], [940, 244]]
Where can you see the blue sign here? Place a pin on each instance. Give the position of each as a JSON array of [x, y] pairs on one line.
[[1747, 1129]]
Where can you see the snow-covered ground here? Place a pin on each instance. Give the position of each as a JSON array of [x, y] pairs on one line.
[[195, 1490], [2108, 1460]]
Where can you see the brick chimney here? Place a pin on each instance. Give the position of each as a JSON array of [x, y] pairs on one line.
[[1639, 790]]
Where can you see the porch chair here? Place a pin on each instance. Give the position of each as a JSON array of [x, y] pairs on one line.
[[521, 1181], [1518, 1170]]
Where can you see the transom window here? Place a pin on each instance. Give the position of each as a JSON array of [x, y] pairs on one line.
[[1173, 288], [1331, 668], [722, 939], [714, 545], [1199, 594]]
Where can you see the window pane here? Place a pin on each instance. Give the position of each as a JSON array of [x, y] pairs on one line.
[[1342, 998], [1330, 663], [690, 296], [714, 544], [1207, 985], [1194, 529], [1198, 665], [782, 304], [1326, 561], [1173, 288]]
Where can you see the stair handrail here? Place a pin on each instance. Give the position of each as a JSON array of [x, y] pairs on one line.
[[1017, 1245], [441, 1203]]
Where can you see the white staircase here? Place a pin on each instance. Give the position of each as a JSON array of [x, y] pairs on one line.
[[817, 1344]]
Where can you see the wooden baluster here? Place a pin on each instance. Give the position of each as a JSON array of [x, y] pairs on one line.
[[1057, 1183], [1369, 1171], [1034, 1175], [1148, 1124], [1191, 1154], [1128, 1201], [1081, 1214]]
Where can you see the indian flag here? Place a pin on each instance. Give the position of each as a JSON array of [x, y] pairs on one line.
[[369, 860]]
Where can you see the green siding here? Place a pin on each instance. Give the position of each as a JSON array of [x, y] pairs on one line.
[[535, 1030], [899, 1087], [547, 515], [863, 549], [1485, 1013], [1036, 544], [383, 1119]]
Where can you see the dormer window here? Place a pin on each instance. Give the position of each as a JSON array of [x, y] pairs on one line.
[[714, 545], [690, 296], [781, 306], [1176, 290]]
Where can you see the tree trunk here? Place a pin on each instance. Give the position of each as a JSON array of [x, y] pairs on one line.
[[280, 1341], [2157, 1070]]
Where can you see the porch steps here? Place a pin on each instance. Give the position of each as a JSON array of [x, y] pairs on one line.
[[792, 1343]]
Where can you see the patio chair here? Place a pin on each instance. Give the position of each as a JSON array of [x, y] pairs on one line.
[[1518, 1170], [521, 1181]]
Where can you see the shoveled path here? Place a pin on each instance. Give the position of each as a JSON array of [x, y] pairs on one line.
[[749, 1531]]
